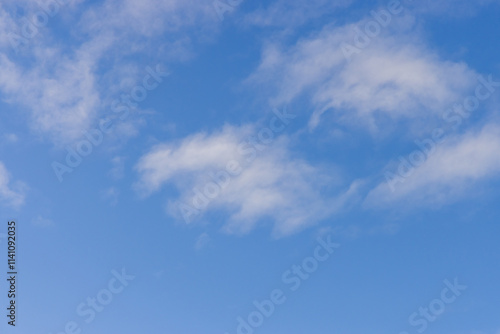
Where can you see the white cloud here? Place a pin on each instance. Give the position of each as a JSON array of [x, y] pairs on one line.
[[72, 83], [11, 195], [60, 95], [449, 173], [271, 184], [7, 26], [394, 76], [193, 155], [149, 17]]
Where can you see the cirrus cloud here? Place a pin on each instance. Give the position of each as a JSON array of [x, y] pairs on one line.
[[272, 184]]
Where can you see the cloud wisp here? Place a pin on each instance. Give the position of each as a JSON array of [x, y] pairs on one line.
[[249, 177]]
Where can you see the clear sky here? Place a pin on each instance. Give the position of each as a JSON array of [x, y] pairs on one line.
[[227, 166]]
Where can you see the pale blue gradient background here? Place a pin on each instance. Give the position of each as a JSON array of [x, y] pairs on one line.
[[392, 260]]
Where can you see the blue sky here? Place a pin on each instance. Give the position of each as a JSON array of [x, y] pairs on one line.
[[187, 166]]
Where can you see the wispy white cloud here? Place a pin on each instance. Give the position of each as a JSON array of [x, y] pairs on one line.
[[454, 169], [394, 75], [192, 155], [60, 95], [271, 183], [148, 18], [11, 194], [7, 26], [73, 81]]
